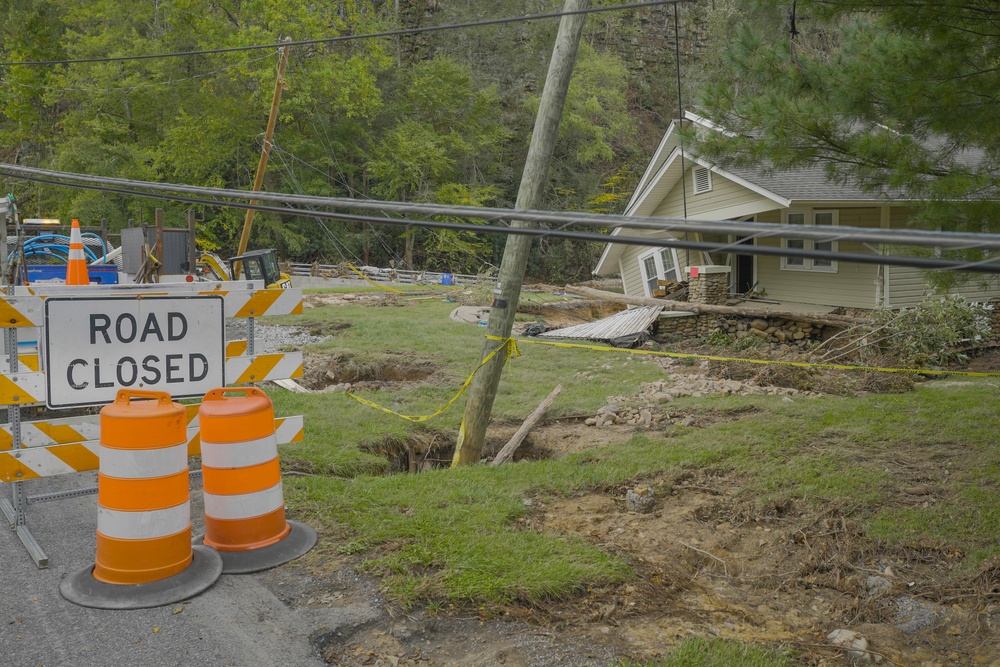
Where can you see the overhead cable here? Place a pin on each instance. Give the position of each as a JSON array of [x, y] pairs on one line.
[[347, 38], [985, 266], [760, 230]]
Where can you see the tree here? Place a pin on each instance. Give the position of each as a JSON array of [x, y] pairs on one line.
[[898, 96]]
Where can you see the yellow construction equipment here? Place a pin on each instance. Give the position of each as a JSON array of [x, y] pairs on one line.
[[254, 265]]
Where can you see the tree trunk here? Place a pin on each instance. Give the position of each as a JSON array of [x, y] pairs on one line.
[[826, 319], [508, 450]]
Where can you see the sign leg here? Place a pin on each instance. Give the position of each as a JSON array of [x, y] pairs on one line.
[[14, 509]]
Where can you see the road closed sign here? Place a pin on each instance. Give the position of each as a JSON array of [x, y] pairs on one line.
[[94, 346]]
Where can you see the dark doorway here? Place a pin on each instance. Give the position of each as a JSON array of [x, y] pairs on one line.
[[744, 281]]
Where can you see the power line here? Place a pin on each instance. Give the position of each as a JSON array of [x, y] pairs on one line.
[[347, 38], [355, 194], [985, 266], [759, 230]]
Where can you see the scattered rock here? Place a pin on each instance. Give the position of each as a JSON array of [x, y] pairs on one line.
[[640, 499], [914, 615], [877, 585], [855, 645]]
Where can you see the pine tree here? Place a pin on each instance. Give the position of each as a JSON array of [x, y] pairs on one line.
[[898, 96]]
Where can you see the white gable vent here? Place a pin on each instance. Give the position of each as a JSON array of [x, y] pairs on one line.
[[702, 180]]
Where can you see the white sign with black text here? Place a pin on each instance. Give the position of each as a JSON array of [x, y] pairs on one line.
[[94, 346]]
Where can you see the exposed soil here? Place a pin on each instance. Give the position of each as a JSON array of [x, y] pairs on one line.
[[709, 562], [345, 371]]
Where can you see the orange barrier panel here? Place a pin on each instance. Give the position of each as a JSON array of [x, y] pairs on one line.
[[244, 504]]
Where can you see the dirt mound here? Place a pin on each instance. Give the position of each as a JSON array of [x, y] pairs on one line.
[[711, 564], [800, 378], [346, 371]]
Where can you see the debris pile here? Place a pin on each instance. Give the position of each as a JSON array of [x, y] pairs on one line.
[[643, 409]]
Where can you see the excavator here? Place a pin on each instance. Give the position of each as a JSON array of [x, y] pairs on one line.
[[254, 265]]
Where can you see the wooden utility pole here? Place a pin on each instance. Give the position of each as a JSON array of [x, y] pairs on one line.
[[258, 181], [515, 256], [158, 246]]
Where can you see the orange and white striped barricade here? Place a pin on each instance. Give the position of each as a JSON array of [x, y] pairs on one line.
[[144, 552], [244, 505]]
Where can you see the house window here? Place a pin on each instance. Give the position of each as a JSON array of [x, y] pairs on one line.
[[804, 218], [702, 179], [656, 265]]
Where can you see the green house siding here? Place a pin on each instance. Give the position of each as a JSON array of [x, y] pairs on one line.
[[853, 285], [724, 194], [909, 286], [631, 272]]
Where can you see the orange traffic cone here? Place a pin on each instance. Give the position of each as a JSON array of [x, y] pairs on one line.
[[76, 267]]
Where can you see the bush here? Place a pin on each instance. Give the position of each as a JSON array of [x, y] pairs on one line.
[[734, 343], [937, 331]]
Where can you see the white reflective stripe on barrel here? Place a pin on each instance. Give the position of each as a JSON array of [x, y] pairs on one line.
[[143, 525], [143, 463], [239, 454], [244, 505]]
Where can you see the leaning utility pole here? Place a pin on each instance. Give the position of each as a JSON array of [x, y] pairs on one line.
[[258, 181], [515, 256]]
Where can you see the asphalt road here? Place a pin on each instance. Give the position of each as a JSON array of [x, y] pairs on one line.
[[240, 621]]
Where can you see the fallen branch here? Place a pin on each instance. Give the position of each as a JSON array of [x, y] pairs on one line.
[[725, 567], [825, 319], [508, 450]]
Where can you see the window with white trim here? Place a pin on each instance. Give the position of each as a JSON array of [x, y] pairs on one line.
[[659, 264], [701, 180], [805, 218]]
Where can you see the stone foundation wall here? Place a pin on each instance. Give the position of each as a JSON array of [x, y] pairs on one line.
[[712, 288], [772, 330], [708, 284], [995, 318], [775, 330], [696, 326]]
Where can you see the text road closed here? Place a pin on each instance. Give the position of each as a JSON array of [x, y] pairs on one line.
[[95, 346]]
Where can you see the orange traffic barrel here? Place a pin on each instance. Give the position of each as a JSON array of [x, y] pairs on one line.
[[244, 504], [144, 552], [76, 267]]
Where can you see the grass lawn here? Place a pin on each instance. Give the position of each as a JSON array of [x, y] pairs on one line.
[[454, 535]]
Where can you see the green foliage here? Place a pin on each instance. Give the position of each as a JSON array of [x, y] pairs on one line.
[[734, 343], [443, 117], [931, 332], [895, 96], [701, 652]]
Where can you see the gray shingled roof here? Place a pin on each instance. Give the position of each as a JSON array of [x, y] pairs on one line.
[[811, 182], [806, 183]]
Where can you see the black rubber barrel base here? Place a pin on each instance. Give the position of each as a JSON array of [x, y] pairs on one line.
[[81, 588], [298, 542]]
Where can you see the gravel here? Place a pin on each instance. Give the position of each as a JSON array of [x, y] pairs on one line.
[[269, 338]]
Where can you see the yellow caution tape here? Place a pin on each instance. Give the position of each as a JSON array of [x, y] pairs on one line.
[[509, 345], [773, 362], [367, 279]]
